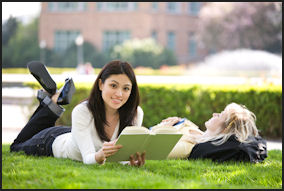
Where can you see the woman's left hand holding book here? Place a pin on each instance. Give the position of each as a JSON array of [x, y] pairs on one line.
[[108, 149]]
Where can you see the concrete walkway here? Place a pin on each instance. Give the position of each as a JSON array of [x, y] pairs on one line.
[[183, 79], [16, 107]]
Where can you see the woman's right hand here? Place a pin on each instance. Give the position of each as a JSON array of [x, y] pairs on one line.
[[108, 149], [139, 159], [170, 121]]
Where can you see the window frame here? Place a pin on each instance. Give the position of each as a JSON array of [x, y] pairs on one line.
[[171, 40], [63, 39], [114, 37]]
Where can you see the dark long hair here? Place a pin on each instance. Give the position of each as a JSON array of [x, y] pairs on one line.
[[127, 112]]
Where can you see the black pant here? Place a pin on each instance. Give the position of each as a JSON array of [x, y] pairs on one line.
[[37, 136]]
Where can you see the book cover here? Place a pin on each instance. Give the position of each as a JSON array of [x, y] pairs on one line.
[[157, 142]]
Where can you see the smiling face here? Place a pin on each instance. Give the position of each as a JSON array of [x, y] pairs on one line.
[[216, 123], [115, 91]]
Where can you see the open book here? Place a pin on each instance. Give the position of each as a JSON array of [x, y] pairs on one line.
[[157, 142]]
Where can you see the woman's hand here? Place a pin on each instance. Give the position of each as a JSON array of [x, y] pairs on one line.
[[138, 161], [108, 149], [170, 121]]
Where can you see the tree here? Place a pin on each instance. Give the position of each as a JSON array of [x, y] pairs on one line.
[[232, 25], [167, 57], [145, 52], [22, 46], [68, 58], [8, 29]]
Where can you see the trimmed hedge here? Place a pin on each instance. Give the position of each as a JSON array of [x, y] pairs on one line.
[[198, 103]]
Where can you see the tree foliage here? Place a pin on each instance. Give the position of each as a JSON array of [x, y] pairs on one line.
[[232, 25], [22, 46], [145, 52], [8, 29], [68, 58]]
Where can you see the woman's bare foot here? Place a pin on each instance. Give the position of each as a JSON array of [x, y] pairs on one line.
[[54, 98]]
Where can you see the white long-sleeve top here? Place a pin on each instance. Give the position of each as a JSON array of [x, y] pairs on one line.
[[83, 141]]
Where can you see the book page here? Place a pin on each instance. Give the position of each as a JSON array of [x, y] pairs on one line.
[[135, 130], [164, 130]]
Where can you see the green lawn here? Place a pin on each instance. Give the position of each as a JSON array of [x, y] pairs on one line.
[[20, 171]]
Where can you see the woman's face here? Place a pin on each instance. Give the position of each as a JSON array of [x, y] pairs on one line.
[[217, 122], [115, 91]]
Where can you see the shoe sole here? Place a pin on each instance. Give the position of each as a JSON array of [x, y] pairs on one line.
[[39, 71], [70, 93], [72, 90]]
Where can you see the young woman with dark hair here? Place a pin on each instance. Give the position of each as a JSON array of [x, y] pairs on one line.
[[97, 121], [126, 112]]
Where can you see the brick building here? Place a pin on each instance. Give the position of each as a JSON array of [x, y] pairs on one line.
[[104, 24]]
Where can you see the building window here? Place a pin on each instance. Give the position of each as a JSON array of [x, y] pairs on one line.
[[111, 38], [154, 35], [66, 6], [155, 6], [194, 8], [51, 6], [173, 7], [192, 45], [117, 6], [63, 39], [192, 48], [99, 5], [171, 41], [135, 5]]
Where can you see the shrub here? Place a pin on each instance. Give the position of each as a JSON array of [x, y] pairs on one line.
[[68, 58], [146, 53], [198, 102]]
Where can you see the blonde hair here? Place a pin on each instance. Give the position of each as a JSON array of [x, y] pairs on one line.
[[239, 122]]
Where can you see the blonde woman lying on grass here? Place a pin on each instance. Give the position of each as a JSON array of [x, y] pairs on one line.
[[229, 135]]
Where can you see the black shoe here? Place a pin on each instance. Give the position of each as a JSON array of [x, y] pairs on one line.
[[66, 92], [39, 71]]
